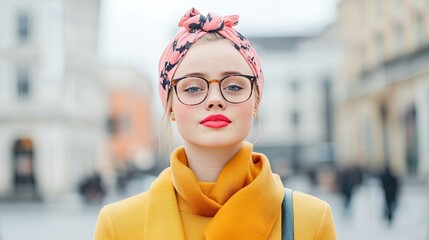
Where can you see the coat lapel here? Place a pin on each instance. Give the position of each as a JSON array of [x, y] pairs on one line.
[[162, 212]]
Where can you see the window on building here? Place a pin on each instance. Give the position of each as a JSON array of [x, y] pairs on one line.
[[23, 27], [2, 78], [112, 125], [295, 118], [119, 123], [294, 84], [125, 123], [421, 29], [380, 47], [378, 8], [363, 57], [399, 38], [368, 140], [328, 107], [399, 3], [362, 9], [23, 82]]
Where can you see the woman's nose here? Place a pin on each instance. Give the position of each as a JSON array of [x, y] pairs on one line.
[[214, 98]]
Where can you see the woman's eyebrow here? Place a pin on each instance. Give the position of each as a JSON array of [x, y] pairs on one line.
[[196, 74], [204, 75], [227, 73]]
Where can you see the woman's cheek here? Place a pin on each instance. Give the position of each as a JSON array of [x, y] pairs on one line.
[[247, 115]]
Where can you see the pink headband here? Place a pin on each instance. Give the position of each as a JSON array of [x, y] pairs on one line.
[[196, 26]]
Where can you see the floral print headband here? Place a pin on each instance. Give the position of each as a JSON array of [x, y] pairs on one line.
[[196, 26]]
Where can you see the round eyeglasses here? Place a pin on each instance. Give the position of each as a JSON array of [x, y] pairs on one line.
[[194, 90]]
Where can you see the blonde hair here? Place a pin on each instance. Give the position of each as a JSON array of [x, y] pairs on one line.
[[165, 133]]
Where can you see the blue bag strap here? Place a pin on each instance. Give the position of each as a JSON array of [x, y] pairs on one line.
[[287, 215]]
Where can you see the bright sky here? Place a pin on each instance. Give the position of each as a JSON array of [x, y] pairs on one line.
[[135, 32]]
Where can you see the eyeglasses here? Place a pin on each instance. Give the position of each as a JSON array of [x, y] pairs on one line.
[[194, 90]]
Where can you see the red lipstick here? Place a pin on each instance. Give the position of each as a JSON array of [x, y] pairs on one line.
[[216, 121]]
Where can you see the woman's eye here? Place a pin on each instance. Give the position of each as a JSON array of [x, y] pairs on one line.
[[233, 88], [192, 89]]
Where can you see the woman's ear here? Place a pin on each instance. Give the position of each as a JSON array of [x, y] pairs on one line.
[[256, 106]]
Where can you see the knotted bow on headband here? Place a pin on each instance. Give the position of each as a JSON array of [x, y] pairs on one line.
[[196, 26]]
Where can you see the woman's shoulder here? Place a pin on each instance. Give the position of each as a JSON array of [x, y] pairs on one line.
[[312, 217], [127, 206], [308, 200], [122, 219], [310, 205]]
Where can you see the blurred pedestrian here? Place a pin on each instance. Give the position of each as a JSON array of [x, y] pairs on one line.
[[390, 186], [346, 188], [216, 187], [349, 179], [92, 189]]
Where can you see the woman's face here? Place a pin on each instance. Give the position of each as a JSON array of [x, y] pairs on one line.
[[213, 60]]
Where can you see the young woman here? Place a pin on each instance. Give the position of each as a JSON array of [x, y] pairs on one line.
[[216, 187]]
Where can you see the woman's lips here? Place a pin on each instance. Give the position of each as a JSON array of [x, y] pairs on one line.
[[216, 121]]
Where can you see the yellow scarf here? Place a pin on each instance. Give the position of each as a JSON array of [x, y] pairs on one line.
[[245, 201]]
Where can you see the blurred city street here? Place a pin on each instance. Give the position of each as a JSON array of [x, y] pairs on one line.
[[364, 220], [66, 220], [73, 220], [344, 117]]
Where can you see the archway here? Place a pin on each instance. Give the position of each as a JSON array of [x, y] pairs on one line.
[[23, 158], [411, 134]]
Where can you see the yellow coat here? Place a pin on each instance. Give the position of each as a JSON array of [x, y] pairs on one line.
[[125, 219]]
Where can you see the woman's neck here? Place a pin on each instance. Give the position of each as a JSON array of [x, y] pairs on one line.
[[207, 163]]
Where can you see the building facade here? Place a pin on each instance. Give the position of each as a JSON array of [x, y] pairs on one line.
[[383, 88], [52, 104], [130, 120], [297, 124]]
